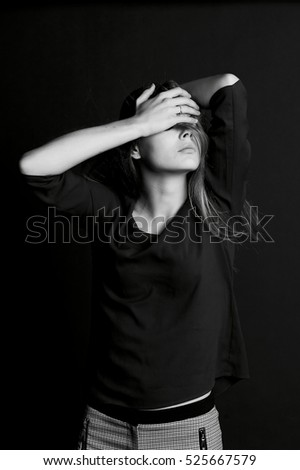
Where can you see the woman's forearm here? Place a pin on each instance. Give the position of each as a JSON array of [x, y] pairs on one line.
[[69, 150], [152, 115], [203, 89]]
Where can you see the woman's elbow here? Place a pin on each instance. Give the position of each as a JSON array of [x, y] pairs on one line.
[[23, 164], [230, 79], [28, 164]]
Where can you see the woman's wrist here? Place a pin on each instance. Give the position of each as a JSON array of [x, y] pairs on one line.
[[136, 127]]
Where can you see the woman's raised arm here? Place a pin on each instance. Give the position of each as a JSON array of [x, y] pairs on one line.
[[153, 115], [204, 88], [229, 151], [66, 151]]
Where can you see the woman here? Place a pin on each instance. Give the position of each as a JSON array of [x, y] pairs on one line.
[[166, 336]]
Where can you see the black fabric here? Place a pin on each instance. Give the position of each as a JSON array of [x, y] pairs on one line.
[[165, 321], [229, 147], [135, 416]]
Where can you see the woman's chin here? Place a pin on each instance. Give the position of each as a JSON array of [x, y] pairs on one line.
[[190, 165]]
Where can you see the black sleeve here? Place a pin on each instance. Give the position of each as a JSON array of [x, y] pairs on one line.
[[73, 193], [229, 149]]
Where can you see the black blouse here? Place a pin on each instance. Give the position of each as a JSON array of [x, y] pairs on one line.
[[165, 321]]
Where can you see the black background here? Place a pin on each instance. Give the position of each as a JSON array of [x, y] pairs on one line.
[[69, 66]]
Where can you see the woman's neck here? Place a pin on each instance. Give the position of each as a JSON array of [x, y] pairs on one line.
[[162, 195]]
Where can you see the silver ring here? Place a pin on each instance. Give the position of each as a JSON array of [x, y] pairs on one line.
[[179, 109]]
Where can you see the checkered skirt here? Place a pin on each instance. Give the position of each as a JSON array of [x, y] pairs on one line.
[[104, 432]]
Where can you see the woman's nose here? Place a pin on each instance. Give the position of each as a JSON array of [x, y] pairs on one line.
[[186, 133]]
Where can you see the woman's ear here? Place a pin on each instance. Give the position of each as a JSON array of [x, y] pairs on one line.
[[135, 152]]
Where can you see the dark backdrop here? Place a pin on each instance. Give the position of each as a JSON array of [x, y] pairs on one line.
[[66, 67]]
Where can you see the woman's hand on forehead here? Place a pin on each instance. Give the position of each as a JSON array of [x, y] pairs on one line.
[[165, 110]]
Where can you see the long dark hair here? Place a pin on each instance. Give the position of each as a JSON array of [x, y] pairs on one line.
[[122, 171]]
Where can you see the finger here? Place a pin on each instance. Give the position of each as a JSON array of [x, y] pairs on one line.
[[185, 118], [181, 101], [173, 92], [184, 109], [146, 94]]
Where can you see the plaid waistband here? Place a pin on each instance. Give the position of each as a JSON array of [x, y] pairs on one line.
[[135, 416]]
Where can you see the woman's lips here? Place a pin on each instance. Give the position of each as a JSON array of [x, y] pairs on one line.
[[188, 149]]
